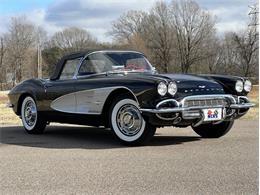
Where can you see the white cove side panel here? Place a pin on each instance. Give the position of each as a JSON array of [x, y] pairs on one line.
[[92, 101], [65, 103]]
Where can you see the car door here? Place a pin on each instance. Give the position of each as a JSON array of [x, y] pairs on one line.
[[91, 87], [61, 92]]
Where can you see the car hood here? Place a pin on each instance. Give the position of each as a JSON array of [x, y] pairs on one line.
[[194, 85], [183, 80], [186, 79]]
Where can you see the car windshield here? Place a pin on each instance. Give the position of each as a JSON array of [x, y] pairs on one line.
[[114, 62]]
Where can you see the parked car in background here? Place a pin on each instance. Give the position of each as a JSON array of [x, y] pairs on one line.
[[122, 91]]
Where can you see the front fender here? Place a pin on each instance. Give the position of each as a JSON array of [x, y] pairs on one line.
[[228, 82], [32, 87]]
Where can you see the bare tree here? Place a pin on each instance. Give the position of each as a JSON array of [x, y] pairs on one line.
[[193, 27], [51, 56], [20, 38], [247, 48], [229, 57], [147, 32], [128, 31], [214, 52], [127, 26], [73, 39], [159, 36]]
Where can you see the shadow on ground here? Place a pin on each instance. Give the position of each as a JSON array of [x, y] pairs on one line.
[[78, 137]]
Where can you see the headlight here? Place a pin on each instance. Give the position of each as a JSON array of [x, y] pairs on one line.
[[247, 86], [162, 88], [239, 86], [172, 88]]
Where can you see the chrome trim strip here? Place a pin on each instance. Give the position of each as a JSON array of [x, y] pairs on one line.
[[167, 119], [78, 67], [169, 100], [239, 106], [165, 101], [199, 122], [242, 97], [230, 114]]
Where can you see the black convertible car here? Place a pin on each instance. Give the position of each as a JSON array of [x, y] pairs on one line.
[[122, 91]]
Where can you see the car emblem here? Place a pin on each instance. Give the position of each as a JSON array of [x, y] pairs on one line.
[[202, 86]]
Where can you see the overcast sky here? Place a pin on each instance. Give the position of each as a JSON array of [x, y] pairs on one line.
[[96, 15]]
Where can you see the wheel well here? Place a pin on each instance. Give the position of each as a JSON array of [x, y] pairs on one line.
[[20, 101], [114, 94]]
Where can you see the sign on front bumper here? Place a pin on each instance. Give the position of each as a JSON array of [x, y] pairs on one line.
[[212, 114]]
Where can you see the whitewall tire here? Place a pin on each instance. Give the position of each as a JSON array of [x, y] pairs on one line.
[[32, 121], [127, 122]]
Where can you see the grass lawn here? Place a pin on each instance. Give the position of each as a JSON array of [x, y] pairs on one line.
[[8, 117], [253, 113]]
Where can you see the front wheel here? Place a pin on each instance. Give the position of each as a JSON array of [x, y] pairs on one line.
[[32, 121], [213, 130], [127, 122]]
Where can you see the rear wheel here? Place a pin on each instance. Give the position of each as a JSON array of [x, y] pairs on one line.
[[127, 122], [32, 121], [213, 130]]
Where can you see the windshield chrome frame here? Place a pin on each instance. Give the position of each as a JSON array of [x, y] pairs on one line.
[[76, 75]]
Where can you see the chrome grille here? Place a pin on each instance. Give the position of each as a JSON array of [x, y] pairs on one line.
[[206, 102]]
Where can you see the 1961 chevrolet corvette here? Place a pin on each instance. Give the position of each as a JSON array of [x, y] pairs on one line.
[[122, 91]]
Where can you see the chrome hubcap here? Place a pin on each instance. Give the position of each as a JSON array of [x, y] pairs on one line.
[[129, 120], [30, 113]]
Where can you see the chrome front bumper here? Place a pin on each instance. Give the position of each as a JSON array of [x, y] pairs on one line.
[[171, 110], [179, 106]]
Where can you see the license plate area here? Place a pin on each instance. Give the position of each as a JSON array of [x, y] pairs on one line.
[[213, 114]]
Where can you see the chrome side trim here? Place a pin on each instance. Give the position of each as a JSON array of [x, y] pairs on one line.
[[86, 101]]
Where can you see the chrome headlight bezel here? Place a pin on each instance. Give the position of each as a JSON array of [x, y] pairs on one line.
[[162, 88], [172, 88], [247, 86], [239, 86]]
